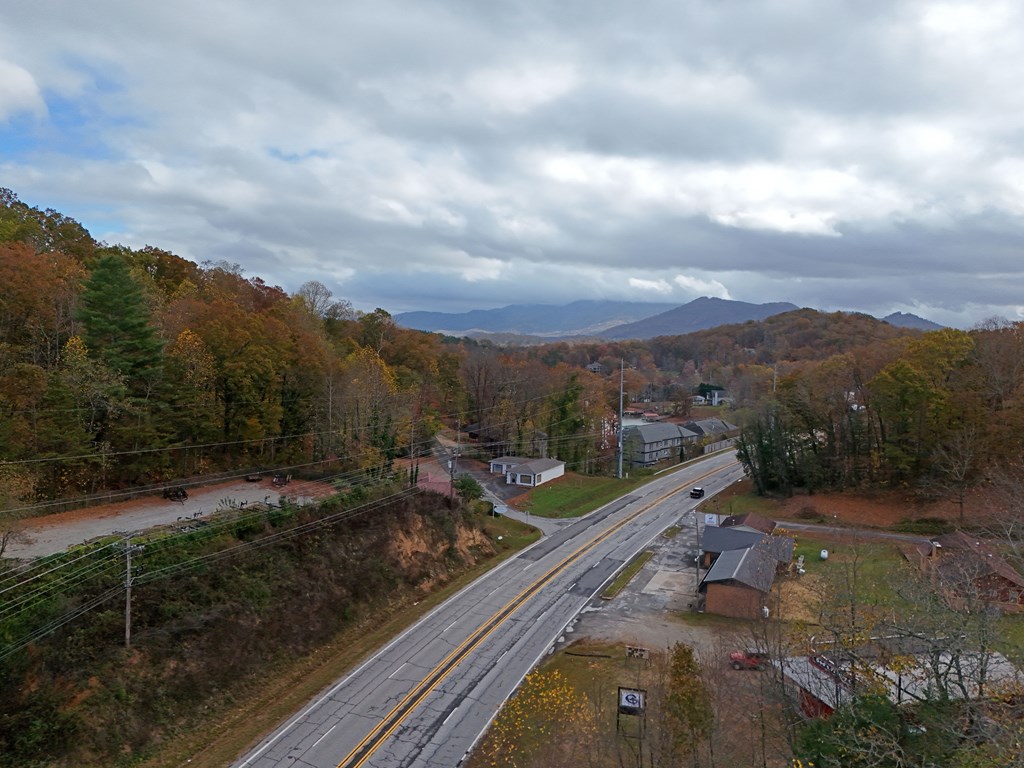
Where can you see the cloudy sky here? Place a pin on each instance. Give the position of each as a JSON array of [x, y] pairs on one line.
[[458, 154]]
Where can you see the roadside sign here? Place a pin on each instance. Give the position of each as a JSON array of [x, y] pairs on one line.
[[632, 652], [710, 518], [632, 701]]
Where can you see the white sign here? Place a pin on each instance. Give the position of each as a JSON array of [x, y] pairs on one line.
[[710, 518], [631, 700]]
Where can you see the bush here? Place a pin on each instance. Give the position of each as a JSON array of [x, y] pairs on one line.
[[810, 513], [934, 526]]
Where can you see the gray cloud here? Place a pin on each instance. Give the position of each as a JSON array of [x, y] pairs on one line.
[[450, 154]]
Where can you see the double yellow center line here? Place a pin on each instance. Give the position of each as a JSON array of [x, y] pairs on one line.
[[380, 733]]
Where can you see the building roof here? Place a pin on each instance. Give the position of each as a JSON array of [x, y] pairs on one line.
[[834, 677], [710, 426], [716, 539], [534, 466], [753, 567], [510, 460], [962, 556], [655, 432], [749, 521]]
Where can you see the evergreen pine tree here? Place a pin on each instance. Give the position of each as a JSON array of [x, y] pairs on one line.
[[118, 331]]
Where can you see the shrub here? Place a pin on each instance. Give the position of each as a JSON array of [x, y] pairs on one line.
[[935, 526], [809, 513]]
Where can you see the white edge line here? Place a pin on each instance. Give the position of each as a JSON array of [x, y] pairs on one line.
[[314, 704], [297, 718], [324, 736], [547, 646]]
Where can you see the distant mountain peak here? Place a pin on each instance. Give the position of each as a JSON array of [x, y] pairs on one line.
[[698, 315], [907, 320]]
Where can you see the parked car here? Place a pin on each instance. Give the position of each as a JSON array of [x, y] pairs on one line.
[[747, 659], [696, 492], [175, 494]]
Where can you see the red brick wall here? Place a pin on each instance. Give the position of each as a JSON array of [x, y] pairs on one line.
[[733, 600]]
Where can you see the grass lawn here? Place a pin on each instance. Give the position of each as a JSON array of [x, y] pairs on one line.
[[514, 534], [1011, 637], [575, 495], [874, 567], [739, 504], [627, 574]]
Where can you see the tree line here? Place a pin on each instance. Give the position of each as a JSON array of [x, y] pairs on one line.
[[126, 368]]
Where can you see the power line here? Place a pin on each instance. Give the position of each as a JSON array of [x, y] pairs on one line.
[[166, 571]]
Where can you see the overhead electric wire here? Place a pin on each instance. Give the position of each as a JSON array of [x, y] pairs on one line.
[[46, 591], [280, 535], [424, 445], [178, 567], [127, 493], [56, 624], [43, 562]]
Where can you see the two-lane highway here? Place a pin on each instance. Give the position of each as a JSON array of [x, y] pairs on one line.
[[423, 699]]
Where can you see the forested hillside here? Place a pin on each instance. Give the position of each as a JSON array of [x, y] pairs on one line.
[[124, 368], [129, 369]]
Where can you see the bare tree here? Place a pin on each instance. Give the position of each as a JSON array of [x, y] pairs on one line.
[[956, 463], [10, 533]]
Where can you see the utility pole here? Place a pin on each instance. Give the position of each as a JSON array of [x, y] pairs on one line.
[[455, 458], [128, 579], [412, 433], [622, 368]]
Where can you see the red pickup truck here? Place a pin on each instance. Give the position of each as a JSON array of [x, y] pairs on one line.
[[748, 659]]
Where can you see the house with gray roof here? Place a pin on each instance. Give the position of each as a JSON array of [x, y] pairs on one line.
[[712, 427], [739, 583], [644, 445], [527, 472], [742, 566], [715, 541], [750, 521]]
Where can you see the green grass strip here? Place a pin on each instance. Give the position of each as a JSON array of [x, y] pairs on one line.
[[626, 574]]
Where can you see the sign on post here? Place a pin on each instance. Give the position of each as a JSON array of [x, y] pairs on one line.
[[632, 701]]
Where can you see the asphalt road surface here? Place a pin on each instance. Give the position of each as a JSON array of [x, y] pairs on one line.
[[424, 699]]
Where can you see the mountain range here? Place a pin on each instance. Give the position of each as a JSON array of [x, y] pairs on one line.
[[580, 318], [613, 320]]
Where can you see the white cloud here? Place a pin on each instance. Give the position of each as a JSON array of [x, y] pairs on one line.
[[521, 88], [701, 287], [470, 268], [18, 92], [654, 286]]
